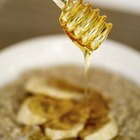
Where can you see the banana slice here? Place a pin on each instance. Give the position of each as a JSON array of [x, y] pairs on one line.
[[106, 131], [62, 134], [68, 126], [27, 116], [39, 109], [38, 85]]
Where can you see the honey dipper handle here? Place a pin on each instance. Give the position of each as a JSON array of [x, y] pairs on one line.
[[60, 3]]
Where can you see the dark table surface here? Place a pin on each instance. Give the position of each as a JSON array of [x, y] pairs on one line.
[[25, 19]]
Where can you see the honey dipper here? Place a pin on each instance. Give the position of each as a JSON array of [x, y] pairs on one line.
[[83, 24]]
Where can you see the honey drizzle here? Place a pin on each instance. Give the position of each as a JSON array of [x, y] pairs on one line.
[[87, 57], [86, 28]]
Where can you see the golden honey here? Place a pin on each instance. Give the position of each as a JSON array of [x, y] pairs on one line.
[[84, 25], [86, 28]]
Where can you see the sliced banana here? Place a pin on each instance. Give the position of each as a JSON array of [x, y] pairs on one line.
[[68, 126], [27, 116], [38, 85], [107, 131], [39, 109], [63, 118], [62, 134]]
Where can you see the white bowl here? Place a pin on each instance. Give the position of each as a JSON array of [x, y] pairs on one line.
[[58, 50]]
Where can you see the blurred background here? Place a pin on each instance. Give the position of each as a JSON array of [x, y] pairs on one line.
[[25, 19]]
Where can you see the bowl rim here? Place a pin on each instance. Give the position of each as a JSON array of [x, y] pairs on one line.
[[112, 58]]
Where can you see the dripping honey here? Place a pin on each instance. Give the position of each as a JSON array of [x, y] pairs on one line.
[[87, 55], [85, 27]]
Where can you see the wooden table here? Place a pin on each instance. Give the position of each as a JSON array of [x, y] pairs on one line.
[[25, 19]]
